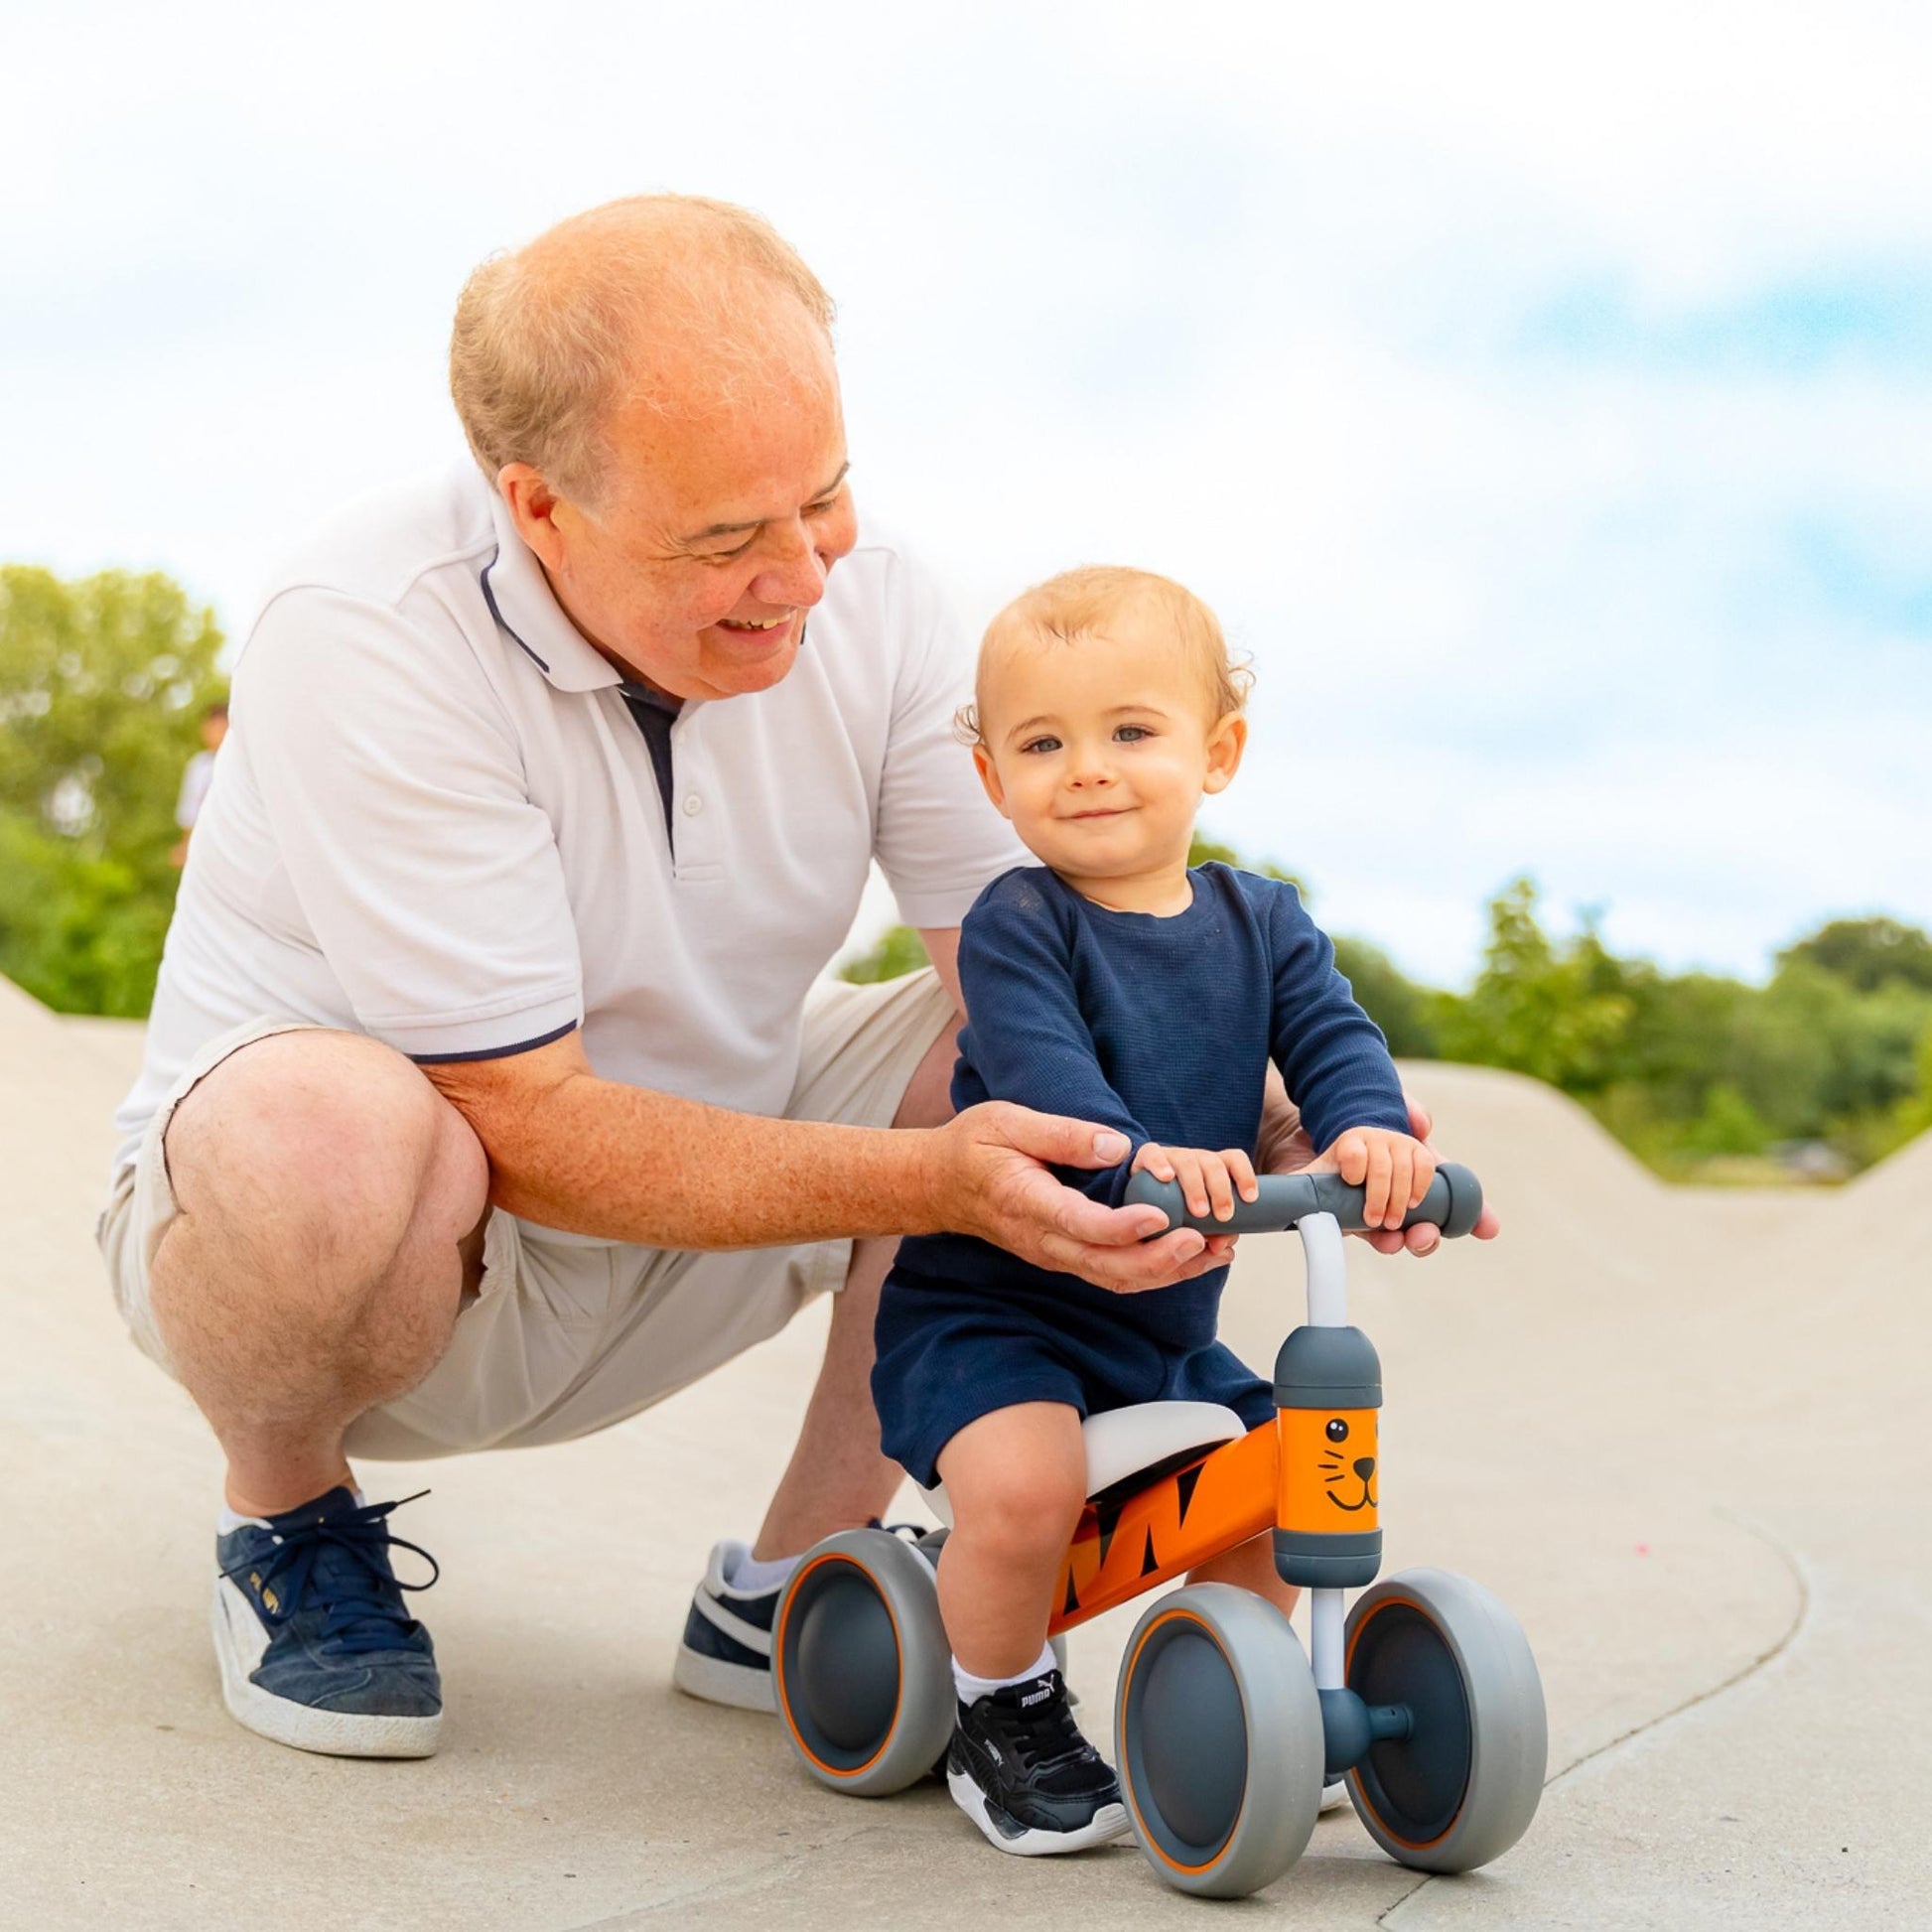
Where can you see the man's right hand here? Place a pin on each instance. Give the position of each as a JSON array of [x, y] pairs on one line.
[[991, 1179]]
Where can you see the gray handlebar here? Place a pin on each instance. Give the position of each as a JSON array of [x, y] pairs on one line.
[[1453, 1203]]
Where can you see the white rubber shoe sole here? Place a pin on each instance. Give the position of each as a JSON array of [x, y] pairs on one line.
[[1107, 1824], [716, 1681], [239, 1641]]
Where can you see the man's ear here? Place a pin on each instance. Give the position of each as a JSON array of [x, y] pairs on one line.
[[534, 507], [989, 779], [1225, 744]]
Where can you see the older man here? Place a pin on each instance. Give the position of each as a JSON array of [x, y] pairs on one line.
[[492, 1092]]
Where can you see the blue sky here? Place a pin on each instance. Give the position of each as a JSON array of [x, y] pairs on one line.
[[1545, 401]]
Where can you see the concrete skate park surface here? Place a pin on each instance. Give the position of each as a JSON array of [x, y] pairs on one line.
[[1680, 1434]]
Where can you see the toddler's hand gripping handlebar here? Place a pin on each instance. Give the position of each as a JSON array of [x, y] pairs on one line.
[[1453, 1203]]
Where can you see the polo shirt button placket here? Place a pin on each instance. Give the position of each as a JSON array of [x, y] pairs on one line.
[[695, 863]]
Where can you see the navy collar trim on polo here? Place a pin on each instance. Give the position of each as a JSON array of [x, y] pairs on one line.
[[635, 690], [520, 599]]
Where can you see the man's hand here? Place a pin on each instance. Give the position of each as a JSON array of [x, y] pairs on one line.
[[1287, 1148], [1209, 1181], [991, 1178]]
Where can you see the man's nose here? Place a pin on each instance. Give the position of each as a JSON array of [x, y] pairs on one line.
[[795, 575]]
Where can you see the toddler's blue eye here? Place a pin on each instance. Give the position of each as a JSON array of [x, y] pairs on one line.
[[1132, 733], [1041, 745]]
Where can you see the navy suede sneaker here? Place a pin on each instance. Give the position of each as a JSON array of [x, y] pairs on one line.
[[725, 1655], [316, 1647]]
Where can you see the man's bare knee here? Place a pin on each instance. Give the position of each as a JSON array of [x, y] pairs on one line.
[[321, 1156]]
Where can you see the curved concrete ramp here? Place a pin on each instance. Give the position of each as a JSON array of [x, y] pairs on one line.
[[1676, 1432]]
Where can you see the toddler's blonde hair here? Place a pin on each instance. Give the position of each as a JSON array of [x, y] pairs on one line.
[[1080, 603]]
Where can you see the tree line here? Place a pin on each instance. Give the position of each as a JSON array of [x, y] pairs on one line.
[[103, 684], [103, 681], [1701, 1075]]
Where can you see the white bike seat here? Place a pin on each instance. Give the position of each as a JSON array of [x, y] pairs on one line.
[[1123, 1441]]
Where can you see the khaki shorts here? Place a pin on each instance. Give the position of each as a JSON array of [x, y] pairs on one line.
[[564, 1338]]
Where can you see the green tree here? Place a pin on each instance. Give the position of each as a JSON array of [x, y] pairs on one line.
[[1814, 1051], [897, 951], [1912, 1115], [102, 685], [1555, 1013], [1727, 1124], [1867, 953]]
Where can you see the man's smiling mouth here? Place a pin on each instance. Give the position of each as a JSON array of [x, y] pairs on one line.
[[756, 624]]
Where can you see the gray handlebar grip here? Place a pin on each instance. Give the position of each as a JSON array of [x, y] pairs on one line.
[[1453, 1203]]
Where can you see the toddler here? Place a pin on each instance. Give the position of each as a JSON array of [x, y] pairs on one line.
[[1113, 984]]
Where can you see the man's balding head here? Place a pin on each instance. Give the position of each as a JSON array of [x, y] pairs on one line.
[[649, 388], [668, 304]]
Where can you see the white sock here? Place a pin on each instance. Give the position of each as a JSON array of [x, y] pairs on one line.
[[970, 1689], [759, 1574], [228, 1522]]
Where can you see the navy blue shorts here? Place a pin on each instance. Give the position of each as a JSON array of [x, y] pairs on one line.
[[949, 1354]]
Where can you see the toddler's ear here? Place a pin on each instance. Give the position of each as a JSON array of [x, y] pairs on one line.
[[989, 779], [1225, 744]]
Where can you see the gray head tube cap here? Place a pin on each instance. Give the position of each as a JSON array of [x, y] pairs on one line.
[[1327, 1368]]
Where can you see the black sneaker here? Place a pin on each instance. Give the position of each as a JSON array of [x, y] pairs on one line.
[[316, 1647], [1020, 1769]]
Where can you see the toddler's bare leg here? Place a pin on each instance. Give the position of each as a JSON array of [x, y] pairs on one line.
[[1017, 1479], [1250, 1565]]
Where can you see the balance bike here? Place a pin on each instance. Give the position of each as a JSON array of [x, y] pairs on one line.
[[1424, 1694]]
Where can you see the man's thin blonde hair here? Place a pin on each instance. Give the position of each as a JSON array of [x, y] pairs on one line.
[[1081, 604], [548, 335]]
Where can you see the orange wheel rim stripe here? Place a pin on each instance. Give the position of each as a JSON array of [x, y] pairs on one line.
[[778, 1671], [1126, 1677], [1355, 1770]]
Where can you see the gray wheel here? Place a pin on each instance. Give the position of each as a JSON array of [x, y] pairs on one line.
[[1462, 1787], [1218, 1737], [860, 1664]]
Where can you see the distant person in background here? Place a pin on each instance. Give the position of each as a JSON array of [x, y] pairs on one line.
[[195, 779]]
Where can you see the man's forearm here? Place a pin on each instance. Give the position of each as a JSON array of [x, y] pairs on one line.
[[597, 1157]]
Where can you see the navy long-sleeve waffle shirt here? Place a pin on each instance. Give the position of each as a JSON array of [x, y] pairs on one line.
[[1162, 1028]]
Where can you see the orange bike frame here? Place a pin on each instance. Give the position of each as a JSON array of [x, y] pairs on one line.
[[1122, 1546]]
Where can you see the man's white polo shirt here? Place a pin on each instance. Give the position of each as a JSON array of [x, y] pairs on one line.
[[435, 820]]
